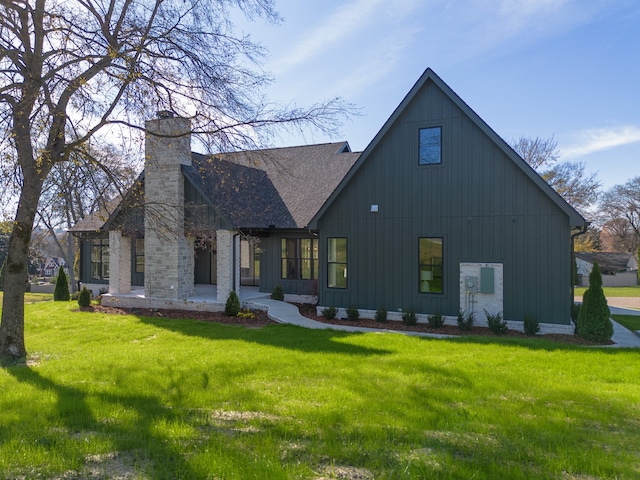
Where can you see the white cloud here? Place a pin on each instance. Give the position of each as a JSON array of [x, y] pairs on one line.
[[596, 140]]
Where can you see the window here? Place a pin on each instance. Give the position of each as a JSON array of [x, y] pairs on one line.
[[337, 263], [430, 145], [431, 274], [139, 255], [100, 259], [300, 258]]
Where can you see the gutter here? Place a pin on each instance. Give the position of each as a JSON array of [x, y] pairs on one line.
[[581, 231]]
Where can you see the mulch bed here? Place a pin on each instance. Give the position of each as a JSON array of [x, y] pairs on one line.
[[261, 319]]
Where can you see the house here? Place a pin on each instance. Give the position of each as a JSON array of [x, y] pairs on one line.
[[437, 214], [619, 269], [51, 266]]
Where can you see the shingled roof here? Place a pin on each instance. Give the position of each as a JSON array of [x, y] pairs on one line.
[[278, 187]]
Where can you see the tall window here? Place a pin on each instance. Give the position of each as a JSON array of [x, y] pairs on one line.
[[430, 145], [100, 259], [139, 255], [431, 274], [337, 263], [300, 258]]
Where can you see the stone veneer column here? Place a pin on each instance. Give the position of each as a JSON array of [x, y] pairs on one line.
[[119, 263], [225, 265], [169, 255]]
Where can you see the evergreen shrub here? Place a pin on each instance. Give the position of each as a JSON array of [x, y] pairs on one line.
[[436, 320], [409, 317], [84, 299], [381, 314], [497, 324], [61, 290], [594, 321], [352, 313], [232, 307], [277, 293], [330, 312], [465, 322], [531, 325]]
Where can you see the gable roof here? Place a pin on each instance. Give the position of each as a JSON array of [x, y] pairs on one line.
[[304, 176], [575, 219], [278, 187], [610, 262]]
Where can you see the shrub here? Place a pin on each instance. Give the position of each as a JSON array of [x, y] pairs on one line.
[[381, 314], [232, 308], [61, 290], [497, 324], [409, 317], [593, 320], [435, 321], [531, 326], [277, 293], [84, 299], [465, 323], [329, 313], [352, 313]]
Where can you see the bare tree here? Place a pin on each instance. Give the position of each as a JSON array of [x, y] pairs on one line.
[[579, 188], [71, 69], [621, 207]]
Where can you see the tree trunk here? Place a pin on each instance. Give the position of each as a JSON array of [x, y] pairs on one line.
[[12, 347]]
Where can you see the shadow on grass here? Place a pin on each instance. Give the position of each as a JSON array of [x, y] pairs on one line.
[[283, 336], [77, 418]]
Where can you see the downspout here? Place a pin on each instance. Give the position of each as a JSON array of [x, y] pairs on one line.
[[581, 231]]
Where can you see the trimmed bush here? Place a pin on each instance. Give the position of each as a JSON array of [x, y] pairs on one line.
[[84, 299], [594, 321], [381, 314], [352, 313], [329, 313], [61, 290], [232, 307], [436, 320], [277, 293], [465, 322], [531, 326], [409, 317], [497, 324]]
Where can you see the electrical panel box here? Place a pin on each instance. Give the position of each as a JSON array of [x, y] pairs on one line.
[[487, 281], [471, 284]]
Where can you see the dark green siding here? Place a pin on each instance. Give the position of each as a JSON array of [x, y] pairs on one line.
[[483, 205]]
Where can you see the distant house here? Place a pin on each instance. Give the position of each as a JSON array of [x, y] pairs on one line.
[[619, 269], [438, 214], [51, 266]]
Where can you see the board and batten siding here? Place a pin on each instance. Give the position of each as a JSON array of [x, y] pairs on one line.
[[478, 200]]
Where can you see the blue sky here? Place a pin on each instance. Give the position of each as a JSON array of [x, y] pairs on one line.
[[565, 68]]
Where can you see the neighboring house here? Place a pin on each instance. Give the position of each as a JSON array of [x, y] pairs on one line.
[[51, 266], [619, 269], [438, 214]]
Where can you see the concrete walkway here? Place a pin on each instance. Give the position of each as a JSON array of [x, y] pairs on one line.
[[283, 312]]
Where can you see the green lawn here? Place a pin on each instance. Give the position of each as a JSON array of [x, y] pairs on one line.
[[33, 297], [121, 396], [632, 322], [614, 291]]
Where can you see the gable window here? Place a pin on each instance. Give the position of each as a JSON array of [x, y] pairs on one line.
[[430, 145], [430, 258], [300, 258], [337, 263], [100, 259]]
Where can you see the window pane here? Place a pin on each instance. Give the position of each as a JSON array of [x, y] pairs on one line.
[[430, 145], [430, 268], [337, 263], [337, 250], [337, 275]]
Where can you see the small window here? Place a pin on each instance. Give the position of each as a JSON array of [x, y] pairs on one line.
[[337, 263], [300, 258], [430, 145], [100, 259], [139, 255], [431, 274]]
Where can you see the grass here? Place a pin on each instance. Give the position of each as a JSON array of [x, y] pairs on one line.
[[632, 322], [613, 291], [33, 297], [133, 397]]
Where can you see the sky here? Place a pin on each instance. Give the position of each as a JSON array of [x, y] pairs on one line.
[[536, 68]]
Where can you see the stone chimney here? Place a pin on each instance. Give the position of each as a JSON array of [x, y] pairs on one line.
[[169, 255]]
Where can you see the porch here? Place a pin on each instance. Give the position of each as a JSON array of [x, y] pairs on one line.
[[205, 298]]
